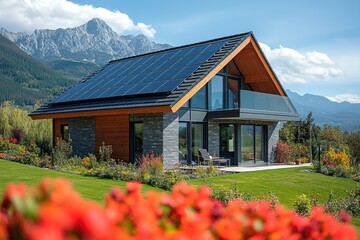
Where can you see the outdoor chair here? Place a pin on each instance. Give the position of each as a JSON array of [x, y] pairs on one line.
[[205, 158]]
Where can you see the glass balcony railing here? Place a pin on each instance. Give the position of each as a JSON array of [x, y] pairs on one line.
[[265, 102]]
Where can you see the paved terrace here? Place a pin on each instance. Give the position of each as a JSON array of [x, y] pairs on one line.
[[260, 168]]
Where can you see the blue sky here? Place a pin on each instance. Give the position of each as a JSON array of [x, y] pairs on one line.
[[313, 46]]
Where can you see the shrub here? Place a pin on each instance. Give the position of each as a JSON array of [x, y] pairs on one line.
[[18, 134], [283, 153], [62, 151], [151, 165], [54, 209], [350, 204], [336, 158], [105, 152], [302, 205]]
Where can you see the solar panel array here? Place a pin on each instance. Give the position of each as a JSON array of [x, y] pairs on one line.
[[155, 73]]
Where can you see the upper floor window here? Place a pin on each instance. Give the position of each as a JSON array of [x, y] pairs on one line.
[[217, 93], [198, 101]]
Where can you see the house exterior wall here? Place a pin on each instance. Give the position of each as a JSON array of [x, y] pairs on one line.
[[57, 123], [82, 133], [213, 138], [113, 130], [273, 138], [170, 139], [160, 135]]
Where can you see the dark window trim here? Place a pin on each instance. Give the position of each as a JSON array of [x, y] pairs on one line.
[[62, 126], [132, 141]]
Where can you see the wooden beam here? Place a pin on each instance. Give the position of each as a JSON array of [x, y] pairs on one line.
[[257, 78], [207, 78], [104, 112], [267, 67]]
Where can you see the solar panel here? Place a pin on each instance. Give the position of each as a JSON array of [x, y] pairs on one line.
[[157, 72]]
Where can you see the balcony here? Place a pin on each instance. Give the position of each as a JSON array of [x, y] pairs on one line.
[[259, 106]]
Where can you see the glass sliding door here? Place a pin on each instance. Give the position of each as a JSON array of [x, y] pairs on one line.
[[183, 146], [197, 140], [259, 143], [227, 141], [252, 143], [247, 143]]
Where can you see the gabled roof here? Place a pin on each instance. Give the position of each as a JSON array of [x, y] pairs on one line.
[[160, 81]]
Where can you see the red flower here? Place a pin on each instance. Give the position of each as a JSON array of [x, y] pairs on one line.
[[54, 211]]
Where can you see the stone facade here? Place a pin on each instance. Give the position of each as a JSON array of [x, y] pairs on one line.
[[82, 134], [273, 138], [170, 139], [160, 135], [213, 138]]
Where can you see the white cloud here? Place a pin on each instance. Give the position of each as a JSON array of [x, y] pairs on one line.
[[349, 97], [292, 66], [28, 15]]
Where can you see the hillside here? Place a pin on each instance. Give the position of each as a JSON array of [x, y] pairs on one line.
[[23, 79], [345, 115]]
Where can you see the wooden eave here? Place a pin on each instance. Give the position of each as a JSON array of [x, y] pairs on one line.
[[104, 112]]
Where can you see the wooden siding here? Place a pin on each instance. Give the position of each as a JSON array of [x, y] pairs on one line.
[[57, 122], [114, 130]]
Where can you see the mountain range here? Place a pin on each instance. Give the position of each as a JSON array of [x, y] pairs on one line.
[[345, 115], [77, 52]]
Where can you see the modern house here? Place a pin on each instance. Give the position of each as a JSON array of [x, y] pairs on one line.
[[221, 95]]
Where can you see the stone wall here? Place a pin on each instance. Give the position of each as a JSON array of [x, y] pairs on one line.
[[273, 138], [82, 134], [160, 135], [170, 139], [213, 138]]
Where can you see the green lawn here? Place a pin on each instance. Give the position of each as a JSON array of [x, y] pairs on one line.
[[287, 184], [89, 187]]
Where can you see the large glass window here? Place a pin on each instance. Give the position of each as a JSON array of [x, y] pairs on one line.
[[227, 138], [259, 143], [217, 93], [252, 143], [247, 142], [197, 130], [198, 101], [183, 136], [232, 93]]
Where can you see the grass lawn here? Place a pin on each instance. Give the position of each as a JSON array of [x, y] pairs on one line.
[[90, 188], [287, 184]]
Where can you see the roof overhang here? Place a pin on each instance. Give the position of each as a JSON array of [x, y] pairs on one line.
[[104, 112]]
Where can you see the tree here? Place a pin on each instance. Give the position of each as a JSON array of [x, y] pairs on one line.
[[332, 137], [354, 145]]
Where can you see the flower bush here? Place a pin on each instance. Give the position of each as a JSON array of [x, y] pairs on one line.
[[336, 158], [283, 153], [53, 210]]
